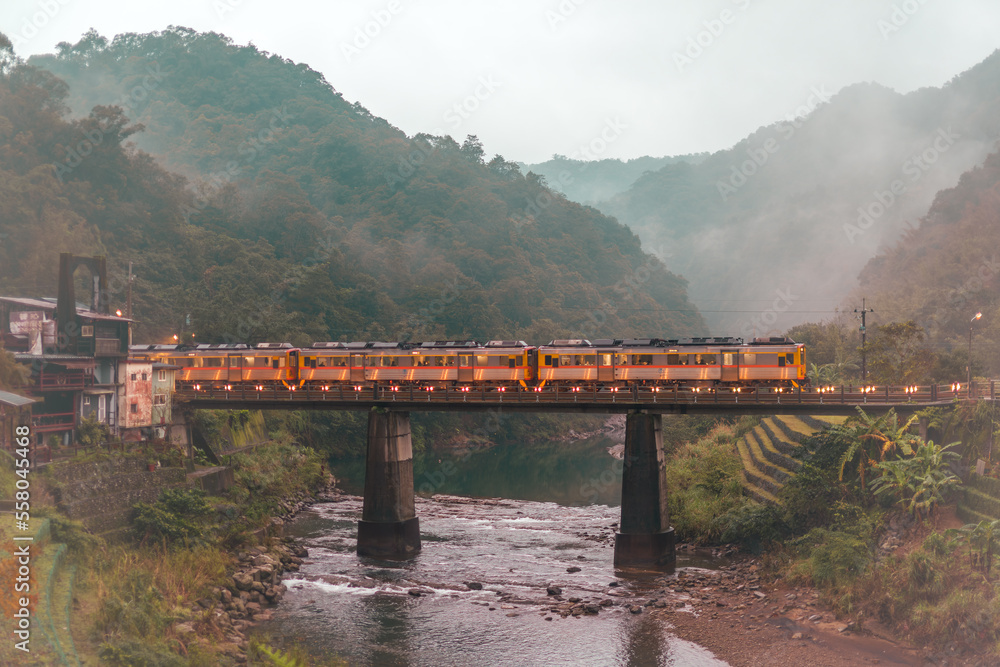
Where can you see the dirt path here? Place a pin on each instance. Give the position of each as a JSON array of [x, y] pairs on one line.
[[748, 623]]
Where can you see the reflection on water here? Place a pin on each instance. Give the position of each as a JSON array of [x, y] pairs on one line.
[[362, 609], [577, 473]]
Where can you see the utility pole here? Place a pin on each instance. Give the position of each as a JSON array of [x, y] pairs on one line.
[[864, 337], [128, 304], [128, 297]]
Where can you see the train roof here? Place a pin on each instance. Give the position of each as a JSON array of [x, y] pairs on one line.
[[439, 344], [506, 343]]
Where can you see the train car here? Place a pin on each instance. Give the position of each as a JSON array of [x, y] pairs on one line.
[[692, 362], [224, 366], [570, 361], [331, 363], [439, 363]]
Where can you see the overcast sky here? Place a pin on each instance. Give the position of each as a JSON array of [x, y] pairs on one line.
[[534, 78]]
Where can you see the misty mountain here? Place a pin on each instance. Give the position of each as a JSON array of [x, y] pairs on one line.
[[774, 231], [593, 181], [298, 215], [948, 269]]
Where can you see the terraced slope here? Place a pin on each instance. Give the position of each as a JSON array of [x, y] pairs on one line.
[[766, 452], [980, 500]]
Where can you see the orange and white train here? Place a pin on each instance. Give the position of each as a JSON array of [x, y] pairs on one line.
[[690, 362]]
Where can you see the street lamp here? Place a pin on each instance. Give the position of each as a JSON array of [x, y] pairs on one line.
[[969, 366]]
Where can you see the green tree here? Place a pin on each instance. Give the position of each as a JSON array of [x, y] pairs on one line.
[[897, 354]]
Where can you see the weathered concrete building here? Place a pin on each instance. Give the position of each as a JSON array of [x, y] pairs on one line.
[[163, 391], [136, 399], [74, 351]]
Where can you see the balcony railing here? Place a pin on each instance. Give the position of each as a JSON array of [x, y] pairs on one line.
[[54, 422], [108, 347], [64, 381]]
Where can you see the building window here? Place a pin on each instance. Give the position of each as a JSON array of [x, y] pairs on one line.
[[133, 377], [87, 330], [86, 401], [162, 376], [144, 377], [135, 408], [160, 399]]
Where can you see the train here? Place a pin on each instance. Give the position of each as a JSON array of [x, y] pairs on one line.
[[686, 363]]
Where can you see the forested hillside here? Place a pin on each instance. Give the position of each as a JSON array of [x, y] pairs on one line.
[[593, 181], [260, 202], [795, 210]]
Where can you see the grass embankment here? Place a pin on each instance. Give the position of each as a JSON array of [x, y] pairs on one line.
[[887, 551], [707, 505], [130, 597]]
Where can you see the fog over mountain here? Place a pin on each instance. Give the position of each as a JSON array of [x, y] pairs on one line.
[[592, 181], [775, 230]]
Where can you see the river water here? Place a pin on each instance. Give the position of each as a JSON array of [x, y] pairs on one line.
[[365, 611]]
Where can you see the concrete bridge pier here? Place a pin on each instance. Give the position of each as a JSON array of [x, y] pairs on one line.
[[646, 539], [389, 528]]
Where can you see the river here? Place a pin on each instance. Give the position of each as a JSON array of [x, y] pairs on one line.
[[528, 533]]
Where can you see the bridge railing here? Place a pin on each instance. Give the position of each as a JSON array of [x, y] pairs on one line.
[[563, 395]]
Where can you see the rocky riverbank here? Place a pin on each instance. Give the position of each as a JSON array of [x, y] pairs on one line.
[[732, 612], [254, 589]]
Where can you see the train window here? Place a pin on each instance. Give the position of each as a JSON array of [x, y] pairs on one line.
[[781, 360], [511, 362], [448, 361], [564, 360], [729, 359], [548, 360], [749, 359], [705, 359], [482, 360], [275, 363], [213, 362], [673, 360], [465, 360], [790, 358], [234, 362], [588, 359], [338, 361], [642, 359]]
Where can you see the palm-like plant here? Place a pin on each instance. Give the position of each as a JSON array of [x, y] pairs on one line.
[[872, 438], [920, 481]]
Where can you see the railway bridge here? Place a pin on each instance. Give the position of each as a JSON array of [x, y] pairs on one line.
[[389, 527]]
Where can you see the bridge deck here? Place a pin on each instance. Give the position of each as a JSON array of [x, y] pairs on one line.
[[839, 400]]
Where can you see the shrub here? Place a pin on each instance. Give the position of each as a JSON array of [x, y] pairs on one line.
[[833, 558], [753, 526], [176, 516]]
